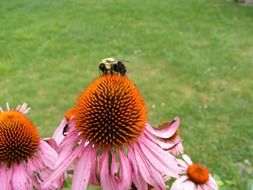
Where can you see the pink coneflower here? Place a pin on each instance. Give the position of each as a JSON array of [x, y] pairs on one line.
[[107, 140], [166, 136], [25, 159], [194, 177]]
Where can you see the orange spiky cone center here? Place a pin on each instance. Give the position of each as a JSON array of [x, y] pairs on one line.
[[19, 138], [198, 173], [111, 111], [69, 113]]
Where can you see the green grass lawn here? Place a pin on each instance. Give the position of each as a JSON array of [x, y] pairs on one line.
[[192, 59]]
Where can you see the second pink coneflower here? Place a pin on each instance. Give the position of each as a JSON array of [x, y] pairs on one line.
[[25, 159]]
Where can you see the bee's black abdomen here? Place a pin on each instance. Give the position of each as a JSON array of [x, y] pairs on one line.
[[111, 66], [102, 67], [121, 68]]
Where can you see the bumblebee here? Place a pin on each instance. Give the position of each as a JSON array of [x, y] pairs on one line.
[[111, 65]]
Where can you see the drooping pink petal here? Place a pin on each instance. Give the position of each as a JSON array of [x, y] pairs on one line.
[[51, 142], [5, 178], [62, 164], [178, 148], [20, 179], [138, 180], [161, 156], [157, 163], [38, 172], [83, 169], [95, 168], [105, 179], [58, 133], [166, 145], [115, 173], [174, 146], [125, 179], [47, 154], [72, 139], [66, 147], [166, 132], [95, 171], [114, 165], [148, 172], [34, 166]]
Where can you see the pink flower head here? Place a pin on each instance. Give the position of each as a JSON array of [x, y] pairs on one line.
[[166, 136], [194, 177], [107, 140], [25, 159]]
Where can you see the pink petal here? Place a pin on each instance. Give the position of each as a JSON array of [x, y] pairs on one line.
[[51, 142], [73, 139], [211, 182], [163, 157], [182, 164], [95, 171], [189, 185], [114, 164], [157, 163], [23, 108], [178, 148], [174, 146], [66, 147], [149, 174], [58, 134], [201, 187], [119, 174], [33, 169], [106, 182], [138, 180], [62, 164], [20, 179], [187, 159], [183, 183], [166, 145], [166, 132], [125, 172], [83, 169], [47, 154], [5, 177]]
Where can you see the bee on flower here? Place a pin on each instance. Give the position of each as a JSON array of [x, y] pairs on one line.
[[109, 141]]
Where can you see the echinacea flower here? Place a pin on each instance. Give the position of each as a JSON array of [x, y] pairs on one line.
[[194, 177], [107, 140], [25, 159], [166, 135]]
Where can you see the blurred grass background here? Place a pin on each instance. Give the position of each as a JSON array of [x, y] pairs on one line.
[[192, 59]]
